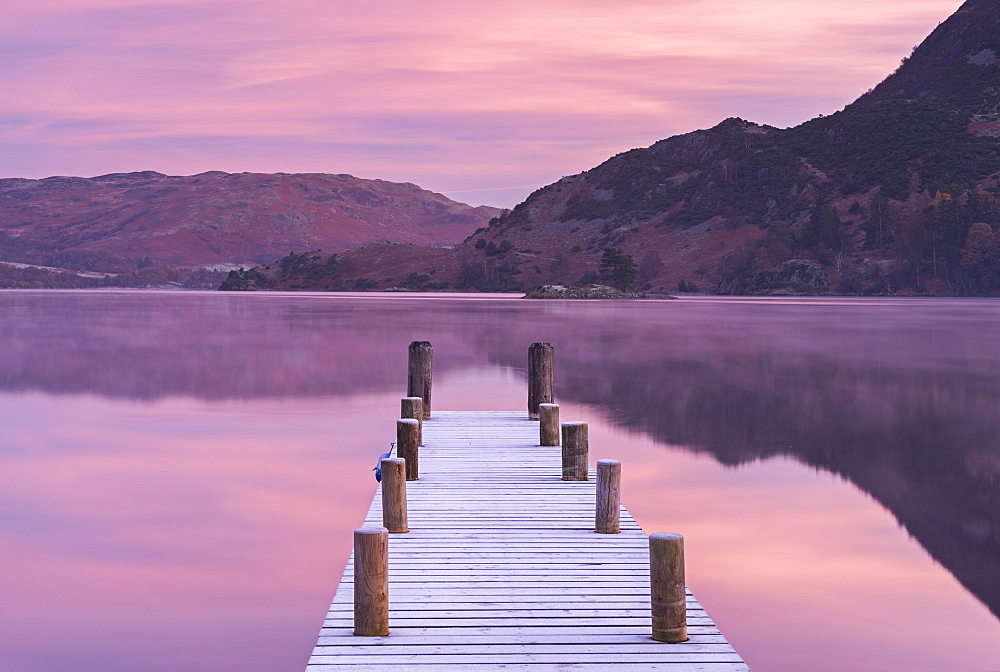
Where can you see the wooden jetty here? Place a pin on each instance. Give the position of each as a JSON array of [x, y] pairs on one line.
[[501, 569]]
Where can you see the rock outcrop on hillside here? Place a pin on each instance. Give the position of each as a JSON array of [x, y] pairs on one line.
[[146, 224], [897, 193]]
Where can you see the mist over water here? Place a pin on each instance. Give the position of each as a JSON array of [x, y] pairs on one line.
[[181, 471]]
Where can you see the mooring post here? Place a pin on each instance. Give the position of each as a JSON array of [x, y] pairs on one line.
[[668, 600], [540, 377], [418, 380], [548, 427], [574, 451], [408, 445], [609, 488], [371, 582], [413, 407], [394, 494]]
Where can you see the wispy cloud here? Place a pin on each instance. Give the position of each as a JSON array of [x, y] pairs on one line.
[[441, 93]]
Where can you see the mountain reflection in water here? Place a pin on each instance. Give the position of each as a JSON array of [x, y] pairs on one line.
[[898, 396]]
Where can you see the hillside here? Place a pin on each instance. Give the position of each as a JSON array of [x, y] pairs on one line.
[[149, 228], [957, 63], [896, 193]]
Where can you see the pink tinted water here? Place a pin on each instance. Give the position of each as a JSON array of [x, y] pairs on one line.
[[181, 473]]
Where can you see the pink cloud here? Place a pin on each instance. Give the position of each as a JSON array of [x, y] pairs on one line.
[[499, 94]]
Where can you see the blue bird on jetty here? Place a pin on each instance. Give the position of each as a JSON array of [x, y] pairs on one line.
[[378, 465]]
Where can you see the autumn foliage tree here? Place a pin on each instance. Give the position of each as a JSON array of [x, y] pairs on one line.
[[981, 257]]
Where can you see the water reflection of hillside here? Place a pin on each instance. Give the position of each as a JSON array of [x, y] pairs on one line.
[[900, 398], [905, 409], [924, 446]]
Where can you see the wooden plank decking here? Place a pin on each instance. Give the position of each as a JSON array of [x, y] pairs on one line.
[[501, 570]]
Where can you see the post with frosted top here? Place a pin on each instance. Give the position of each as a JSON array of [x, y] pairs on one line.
[[548, 426], [607, 519], [394, 494], [413, 407], [418, 381], [668, 600], [574, 451], [371, 582], [540, 377], [407, 445]]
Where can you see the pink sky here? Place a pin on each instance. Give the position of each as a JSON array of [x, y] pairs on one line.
[[482, 101]]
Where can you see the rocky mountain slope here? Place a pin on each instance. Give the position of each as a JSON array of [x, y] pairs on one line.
[[897, 193], [147, 225], [957, 63]]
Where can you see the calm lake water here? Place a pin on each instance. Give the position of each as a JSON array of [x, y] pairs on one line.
[[180, 472]]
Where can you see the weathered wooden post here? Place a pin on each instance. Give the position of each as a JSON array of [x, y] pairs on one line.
[[574, 451], [540, 377], [548, 427], [609, 487], [413, 407], [371, 582], [394, 494], [408, 445], [418, 380], [666, 582]]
